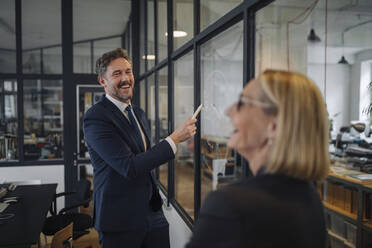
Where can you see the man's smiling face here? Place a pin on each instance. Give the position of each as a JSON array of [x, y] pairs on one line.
[[118, 80]]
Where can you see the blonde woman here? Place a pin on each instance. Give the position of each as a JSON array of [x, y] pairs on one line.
[[281, 129]]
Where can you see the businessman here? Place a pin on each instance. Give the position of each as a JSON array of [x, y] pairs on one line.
[[127, 204]]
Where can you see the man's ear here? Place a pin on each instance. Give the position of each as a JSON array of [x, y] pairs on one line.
[[101, 81], [272, 128]]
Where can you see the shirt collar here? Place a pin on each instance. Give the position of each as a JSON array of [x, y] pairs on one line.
[[121, 105]]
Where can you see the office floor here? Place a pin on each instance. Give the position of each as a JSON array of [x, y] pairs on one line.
[[184, 186]]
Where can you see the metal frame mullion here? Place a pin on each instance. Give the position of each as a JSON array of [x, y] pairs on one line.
[[19, 70], [41, 61], [156, 51], [197, 101], [69, 118], [145, 17], [170, 96], [91, 43]]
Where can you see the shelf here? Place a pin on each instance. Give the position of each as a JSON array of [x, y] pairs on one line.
[[53, 102], [340, 211], [56, 129], [52, 117], [52, 87], [216, 156], [368, 225]]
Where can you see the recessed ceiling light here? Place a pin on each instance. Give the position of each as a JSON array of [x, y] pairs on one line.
[[149, 57], [177, 33]]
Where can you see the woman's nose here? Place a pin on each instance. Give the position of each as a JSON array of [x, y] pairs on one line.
[[229, 110]]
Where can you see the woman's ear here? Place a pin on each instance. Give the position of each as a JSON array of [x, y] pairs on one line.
[[272, 128]]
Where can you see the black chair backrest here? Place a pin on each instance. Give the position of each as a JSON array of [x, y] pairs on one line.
[[83, 190]]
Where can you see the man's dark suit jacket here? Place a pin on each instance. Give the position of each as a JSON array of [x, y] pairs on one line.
[[121, 167], [263, 211]]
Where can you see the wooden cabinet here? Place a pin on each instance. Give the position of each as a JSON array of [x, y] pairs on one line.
[[347, 202]]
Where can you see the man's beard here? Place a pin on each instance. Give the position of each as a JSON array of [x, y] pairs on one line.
[[115, 93]]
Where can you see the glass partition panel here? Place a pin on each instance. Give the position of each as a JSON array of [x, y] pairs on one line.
[[87, 26], [291, 35], [43, 119], [103, 46], [183, 22], [142, 37], [162, 29], [221, 84], [151, 105], [212, 10], [183, 109], [150, 34], [8, 37], [88, 95], [52, 62], [32, 61], [142, 86], [37, 35], [82, 58], [8, 120], [163, 118]]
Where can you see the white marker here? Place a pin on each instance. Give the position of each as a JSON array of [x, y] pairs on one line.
[[197, 111]]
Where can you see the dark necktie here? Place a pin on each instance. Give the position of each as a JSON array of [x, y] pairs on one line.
[[134, 124]]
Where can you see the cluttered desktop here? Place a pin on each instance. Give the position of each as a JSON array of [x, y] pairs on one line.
[[351, 148]]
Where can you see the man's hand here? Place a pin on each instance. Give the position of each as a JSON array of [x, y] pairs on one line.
[[184, 131]]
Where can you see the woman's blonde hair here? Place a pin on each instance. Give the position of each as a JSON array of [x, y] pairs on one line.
[[300, 148]]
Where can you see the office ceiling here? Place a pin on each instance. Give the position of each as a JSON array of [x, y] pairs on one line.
[[41, 21], [97, 18]]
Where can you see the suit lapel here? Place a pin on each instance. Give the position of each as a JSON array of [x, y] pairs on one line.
[[123, 125]]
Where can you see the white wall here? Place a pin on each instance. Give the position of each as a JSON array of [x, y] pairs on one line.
[[337, 90], [179, 232], [47, 174]]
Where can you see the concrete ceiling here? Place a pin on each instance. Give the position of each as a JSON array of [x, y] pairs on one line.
[[41, 21]]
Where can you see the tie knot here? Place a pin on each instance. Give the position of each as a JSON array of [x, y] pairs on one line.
[[128, 108]]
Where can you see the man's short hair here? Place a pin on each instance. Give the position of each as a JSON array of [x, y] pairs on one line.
[[106, 58]]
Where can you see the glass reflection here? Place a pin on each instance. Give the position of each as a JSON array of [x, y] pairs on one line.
[[82, 58], [162, 29], [183, 23], [52, 60], [142, 86], [163, 119], [183, 109], [8, 120], [150, 35], [43, 119], [8, 37], [222, 82], [212, 10], [151, 106], [36, 35]]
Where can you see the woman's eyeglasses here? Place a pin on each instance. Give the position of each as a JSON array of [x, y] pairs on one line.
[[244, 99]]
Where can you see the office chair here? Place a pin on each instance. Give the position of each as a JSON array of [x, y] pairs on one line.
[[82, 222], [62, 238]]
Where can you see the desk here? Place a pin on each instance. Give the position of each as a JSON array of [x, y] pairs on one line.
[[30, 211]]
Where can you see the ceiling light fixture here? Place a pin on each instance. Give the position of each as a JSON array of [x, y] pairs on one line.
[[343, 60], [149, 57], [312, 37], [177, 33]]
